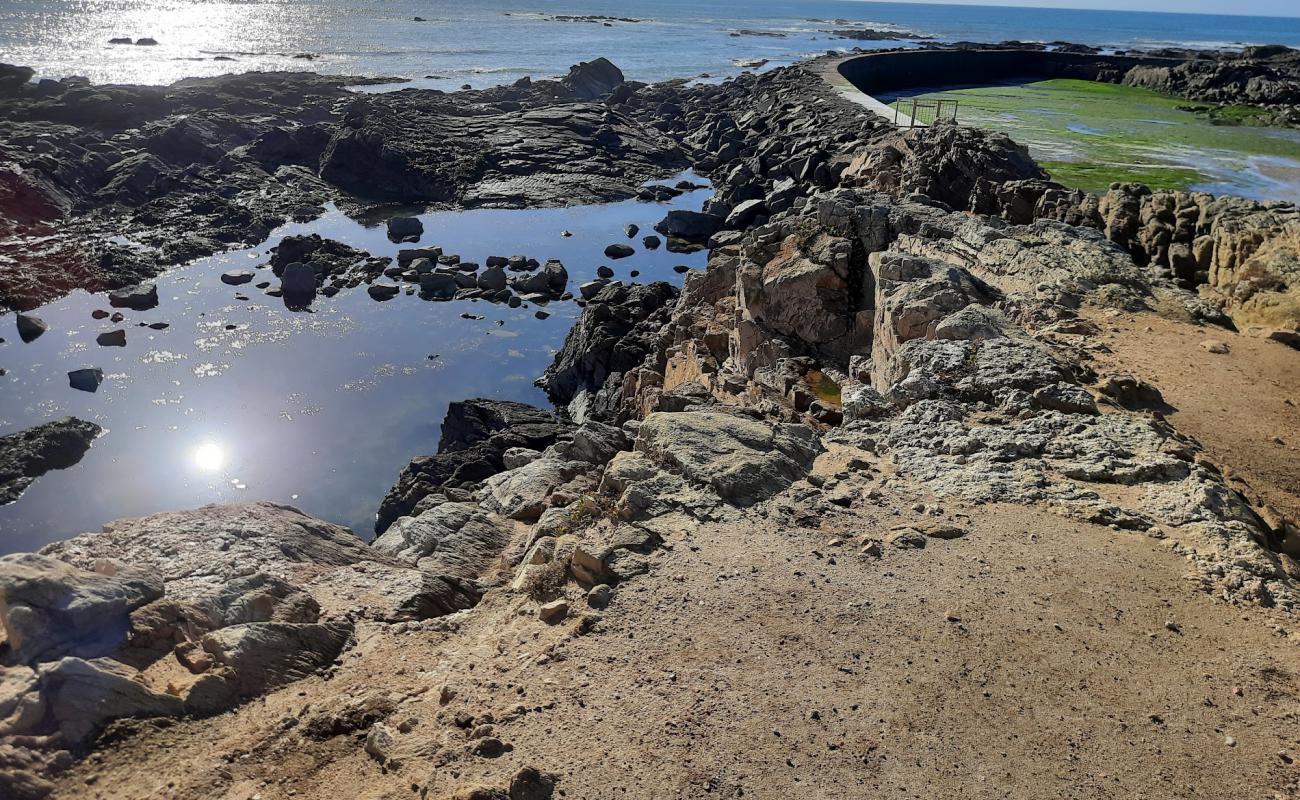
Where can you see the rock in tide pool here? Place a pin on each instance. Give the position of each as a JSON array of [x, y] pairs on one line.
[[30, 328], [138, 298], [405, 229], [237, 277], [383, 291], [619, 251], [27, 455], [115, 338], [298, 279], [86, 379]]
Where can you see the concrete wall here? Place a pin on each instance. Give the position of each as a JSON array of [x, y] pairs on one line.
[[874, 73]]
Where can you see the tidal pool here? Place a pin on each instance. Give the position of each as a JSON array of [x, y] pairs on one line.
[[1089, 134], [243, 399]]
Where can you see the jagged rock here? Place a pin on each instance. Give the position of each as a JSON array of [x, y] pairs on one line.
[[86, 379], [742, 459], [458, 539], [27, 455], [475, 435], [522, 493], [30, 328], [590, 80], [51, 609], [615, 333]]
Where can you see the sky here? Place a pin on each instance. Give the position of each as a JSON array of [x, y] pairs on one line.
[[1260, 8]]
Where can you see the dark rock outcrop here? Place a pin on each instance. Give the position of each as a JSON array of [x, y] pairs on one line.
[[29, 454], [475, 436], [615, 333]]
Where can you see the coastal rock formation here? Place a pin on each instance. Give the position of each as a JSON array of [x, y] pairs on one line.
[[29, 454], [476, 434]]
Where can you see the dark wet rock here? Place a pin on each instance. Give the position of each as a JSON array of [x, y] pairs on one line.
[[86, 379], [29, 454], [30, 328], [475, 436], [138, 298], [690, 226], [651, 242], [619, 251], [591, 80], [13, 77], [614, 334], [298, 279], [116, 338], [383, 291], [631, 230], [405, 229], [51, 609], [238, 277]]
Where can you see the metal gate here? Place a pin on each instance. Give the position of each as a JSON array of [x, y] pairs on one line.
[[913, 112]]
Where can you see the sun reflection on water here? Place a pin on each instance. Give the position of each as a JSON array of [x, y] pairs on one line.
[[209, 457]]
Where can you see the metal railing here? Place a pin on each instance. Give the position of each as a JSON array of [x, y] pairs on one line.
[[913, 112]]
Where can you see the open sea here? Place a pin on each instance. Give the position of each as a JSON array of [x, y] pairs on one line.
[[487, 42]]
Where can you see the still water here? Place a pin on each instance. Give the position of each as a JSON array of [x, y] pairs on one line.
[[244, 399]]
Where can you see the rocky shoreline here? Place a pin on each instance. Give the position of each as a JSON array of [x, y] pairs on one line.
[[916, 309]]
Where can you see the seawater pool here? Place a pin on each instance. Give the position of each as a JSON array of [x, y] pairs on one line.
[[244, 399]]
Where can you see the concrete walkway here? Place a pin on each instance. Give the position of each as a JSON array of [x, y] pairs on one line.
[[828, 68]]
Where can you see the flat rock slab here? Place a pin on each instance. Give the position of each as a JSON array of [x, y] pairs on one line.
[[743, 460]]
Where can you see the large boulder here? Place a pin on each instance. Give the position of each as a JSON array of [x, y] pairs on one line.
[[52, 609], [591, 80], [744, 460], [83, 695]]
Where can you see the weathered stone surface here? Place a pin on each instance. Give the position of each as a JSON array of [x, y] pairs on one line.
[[51, 609], [83, 695], [263, 655], [742, 459], [27, 455]]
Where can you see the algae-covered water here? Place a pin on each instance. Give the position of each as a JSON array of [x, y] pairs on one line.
[[1089, 134]]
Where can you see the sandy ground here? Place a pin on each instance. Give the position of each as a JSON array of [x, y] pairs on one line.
[[1242, 406], [1035, 657]]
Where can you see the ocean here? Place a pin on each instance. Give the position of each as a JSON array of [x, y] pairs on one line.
[[497, 41]]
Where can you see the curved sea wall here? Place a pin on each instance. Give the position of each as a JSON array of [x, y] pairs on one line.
[[874, 73]]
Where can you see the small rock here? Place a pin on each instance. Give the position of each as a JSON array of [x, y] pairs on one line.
[[631, 230], [30, 328], [379, 742], [604, 272], [554, 611], [1215, 346], [619, 251], [87, 379], [405, 229], [383, 291], [115, 338], [238, 277], [598, 597]]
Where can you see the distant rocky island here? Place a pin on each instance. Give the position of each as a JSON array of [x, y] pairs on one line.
[[891, 458]]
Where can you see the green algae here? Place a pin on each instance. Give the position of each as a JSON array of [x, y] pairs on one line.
[[1088, 135]]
